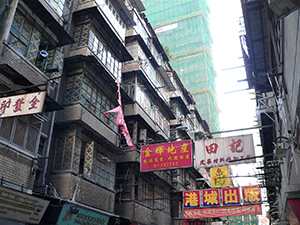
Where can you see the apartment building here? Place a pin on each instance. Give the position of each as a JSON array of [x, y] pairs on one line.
[[270, 50], [67, 163]]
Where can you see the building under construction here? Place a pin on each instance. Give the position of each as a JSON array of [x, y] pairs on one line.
[[182, 27]]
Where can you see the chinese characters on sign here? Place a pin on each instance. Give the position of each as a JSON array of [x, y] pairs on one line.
[[25, 104], [222, 211], [166, 156], [211, 197], [220, 151], [230, 197], [219, 177], [191, 199], [251, 194], [241, 220]]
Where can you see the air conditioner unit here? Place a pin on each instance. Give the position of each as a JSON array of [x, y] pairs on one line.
[[280, 152], [283, 8]]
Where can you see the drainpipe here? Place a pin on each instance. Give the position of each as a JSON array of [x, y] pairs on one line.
[[7, 12], [49, 137]]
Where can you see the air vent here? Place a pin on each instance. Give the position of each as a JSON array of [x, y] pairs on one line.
[[282, 8]]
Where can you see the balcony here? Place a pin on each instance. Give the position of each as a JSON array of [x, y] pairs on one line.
[[53, 18], [79, 113]]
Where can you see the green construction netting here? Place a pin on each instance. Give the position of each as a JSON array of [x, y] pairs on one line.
[[189, 41]]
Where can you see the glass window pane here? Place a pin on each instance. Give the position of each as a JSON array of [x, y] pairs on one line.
[[32, 139], [6, 127], [20, 133]]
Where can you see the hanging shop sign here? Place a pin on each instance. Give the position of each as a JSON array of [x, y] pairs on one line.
[[191, 199], [211, 198], [251, 194], [292, 211], [196, 213], [19, 105], [21, 207], [222, 197], [231, 196], [241, 220], [166, 156], [221, 151], [83, 216], [219, 177]]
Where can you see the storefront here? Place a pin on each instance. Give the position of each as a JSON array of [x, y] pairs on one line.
[[292, 211], [17, 207]]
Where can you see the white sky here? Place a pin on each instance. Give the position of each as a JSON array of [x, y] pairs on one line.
[[237, 108]]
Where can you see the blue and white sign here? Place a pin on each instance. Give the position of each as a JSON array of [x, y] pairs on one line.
[[83, 216]]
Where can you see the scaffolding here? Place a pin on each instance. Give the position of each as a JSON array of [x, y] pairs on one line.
[[189, 42]]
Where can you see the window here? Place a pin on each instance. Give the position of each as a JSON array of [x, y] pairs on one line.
[[103, 170], [82, 88], [84, 35], [22, 131], [28, 41], [58, 5]]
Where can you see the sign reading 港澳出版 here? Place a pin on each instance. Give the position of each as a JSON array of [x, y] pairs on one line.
[[166, 156], [222, 211], [222, 151], [24, 104]]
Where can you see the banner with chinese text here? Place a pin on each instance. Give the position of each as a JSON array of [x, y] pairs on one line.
[[166, 156], [222, 211], [24, 104], [219, 177], [220, 151]]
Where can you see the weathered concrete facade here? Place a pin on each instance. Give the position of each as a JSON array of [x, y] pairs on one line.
[[68, 159], [272, 29]]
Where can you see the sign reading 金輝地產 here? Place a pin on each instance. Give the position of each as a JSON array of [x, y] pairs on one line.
[[221, 151], [24, 104], [197, 213], [166, 156]]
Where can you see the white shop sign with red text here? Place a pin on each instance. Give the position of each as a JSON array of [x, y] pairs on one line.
[[220, 151], [24, 104]]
